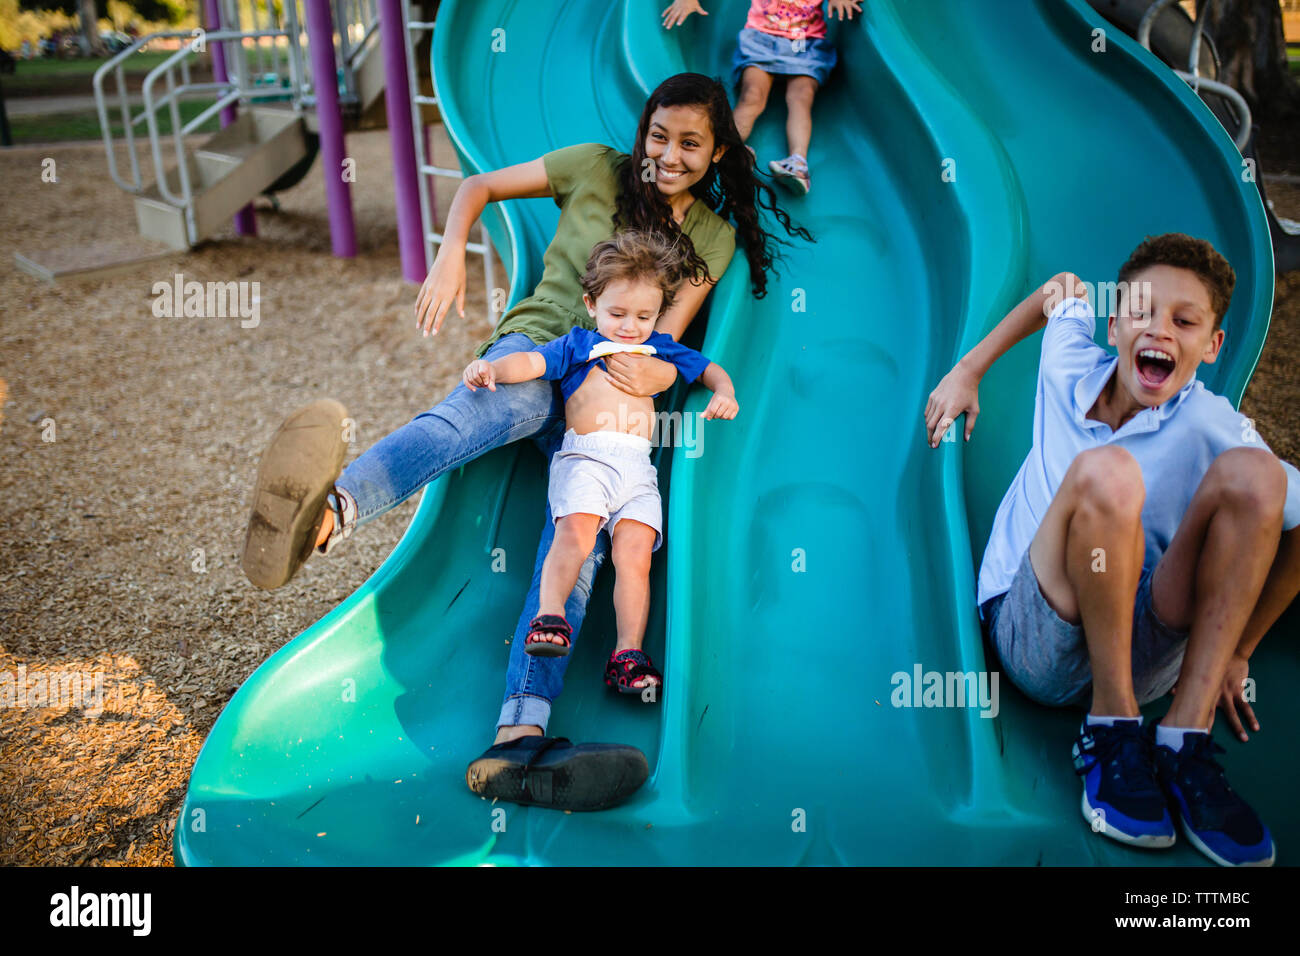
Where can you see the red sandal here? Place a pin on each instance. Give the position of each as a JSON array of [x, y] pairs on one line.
[[538, 646], [628, 666]]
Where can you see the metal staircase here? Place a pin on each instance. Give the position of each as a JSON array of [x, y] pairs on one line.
[[194, 191]]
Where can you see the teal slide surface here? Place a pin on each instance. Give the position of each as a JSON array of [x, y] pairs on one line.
[[816, 546]]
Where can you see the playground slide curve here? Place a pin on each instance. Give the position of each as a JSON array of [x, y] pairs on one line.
[[817, 549]]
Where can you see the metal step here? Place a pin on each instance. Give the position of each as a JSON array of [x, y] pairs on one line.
[[368, 73], [226, 172]]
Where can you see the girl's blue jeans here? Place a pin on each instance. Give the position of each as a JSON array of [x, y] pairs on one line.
[[458, 429]]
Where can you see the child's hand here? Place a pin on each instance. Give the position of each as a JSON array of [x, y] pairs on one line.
[[844, 8], [1232, 697], [676, 14], [722, 406], [957, 393], [480, 374]]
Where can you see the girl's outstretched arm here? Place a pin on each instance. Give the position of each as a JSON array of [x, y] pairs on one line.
[[445, 282]]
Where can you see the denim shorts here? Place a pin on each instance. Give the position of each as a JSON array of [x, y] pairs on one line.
[[1047, 658], [808, 56]]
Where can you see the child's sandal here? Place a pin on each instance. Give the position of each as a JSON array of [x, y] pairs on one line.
[[627, 666], [538, 646]]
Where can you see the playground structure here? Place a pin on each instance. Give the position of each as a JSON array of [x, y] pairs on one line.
[[778, 707], [276, 115]]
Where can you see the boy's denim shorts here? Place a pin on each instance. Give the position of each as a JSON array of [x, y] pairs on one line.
[[1047, 658]]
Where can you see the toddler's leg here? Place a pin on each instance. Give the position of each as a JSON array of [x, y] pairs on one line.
[[755, 84], [1220, 579], [532, 683], [799, 94], [1087, 555], [575, 536], [633, 544]]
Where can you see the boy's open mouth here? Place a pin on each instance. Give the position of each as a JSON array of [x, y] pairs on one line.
[[1154, 366]]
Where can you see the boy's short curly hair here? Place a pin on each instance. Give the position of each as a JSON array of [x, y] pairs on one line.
[[636, 254], [1186, 252]]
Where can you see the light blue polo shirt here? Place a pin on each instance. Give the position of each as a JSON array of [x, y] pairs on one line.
[[1173, 443]]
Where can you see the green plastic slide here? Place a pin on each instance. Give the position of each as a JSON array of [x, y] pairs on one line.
[[816, 546]]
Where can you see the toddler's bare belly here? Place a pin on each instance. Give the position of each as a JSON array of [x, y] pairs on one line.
[[598, 405]]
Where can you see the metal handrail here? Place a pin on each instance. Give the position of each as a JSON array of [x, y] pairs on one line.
[[238, 87], [114, 64], [172, 100], [347, 14], [1240, 107], [1148, 20], [1193, 79]]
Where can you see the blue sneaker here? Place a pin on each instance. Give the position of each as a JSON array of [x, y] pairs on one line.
[[1121, 797], [1216, 820]]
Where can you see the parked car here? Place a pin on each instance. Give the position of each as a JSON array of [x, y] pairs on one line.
[[115, 41]]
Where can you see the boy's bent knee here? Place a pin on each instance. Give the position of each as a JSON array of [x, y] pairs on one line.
[[1108, 477], [1249, 478]]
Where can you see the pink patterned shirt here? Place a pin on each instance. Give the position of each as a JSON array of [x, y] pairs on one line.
[[787, 18]]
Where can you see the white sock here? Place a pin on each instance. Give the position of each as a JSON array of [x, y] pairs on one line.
[[1092, 721], [1172, 737]]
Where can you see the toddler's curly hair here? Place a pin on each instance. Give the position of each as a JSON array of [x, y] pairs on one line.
[[636, 255]]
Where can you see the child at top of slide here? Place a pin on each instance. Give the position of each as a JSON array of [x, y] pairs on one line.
[[602, 473], [780, 38], [1150, 539]]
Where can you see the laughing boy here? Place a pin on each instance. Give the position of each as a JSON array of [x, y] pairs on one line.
[[1149, 540]]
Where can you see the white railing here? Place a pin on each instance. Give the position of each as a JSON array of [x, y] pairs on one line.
[[357, 23], [1193, 78], [265, 57]]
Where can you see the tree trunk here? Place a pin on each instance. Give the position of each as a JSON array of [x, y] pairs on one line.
[[1252, 48], [89, 17]]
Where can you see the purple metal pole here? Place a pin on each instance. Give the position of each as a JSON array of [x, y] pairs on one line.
[[245, 219], [401, 138], [338, 196]]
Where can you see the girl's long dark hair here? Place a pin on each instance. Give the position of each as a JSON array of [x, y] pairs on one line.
[[730, 187]]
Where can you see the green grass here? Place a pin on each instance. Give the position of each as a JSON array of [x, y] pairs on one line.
[[70, 77], [62, 127], [43, 68]]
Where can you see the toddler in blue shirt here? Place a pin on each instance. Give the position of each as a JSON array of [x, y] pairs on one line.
[[602, 475]]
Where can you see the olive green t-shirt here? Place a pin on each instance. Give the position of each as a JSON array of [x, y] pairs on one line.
[[585, 187]]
